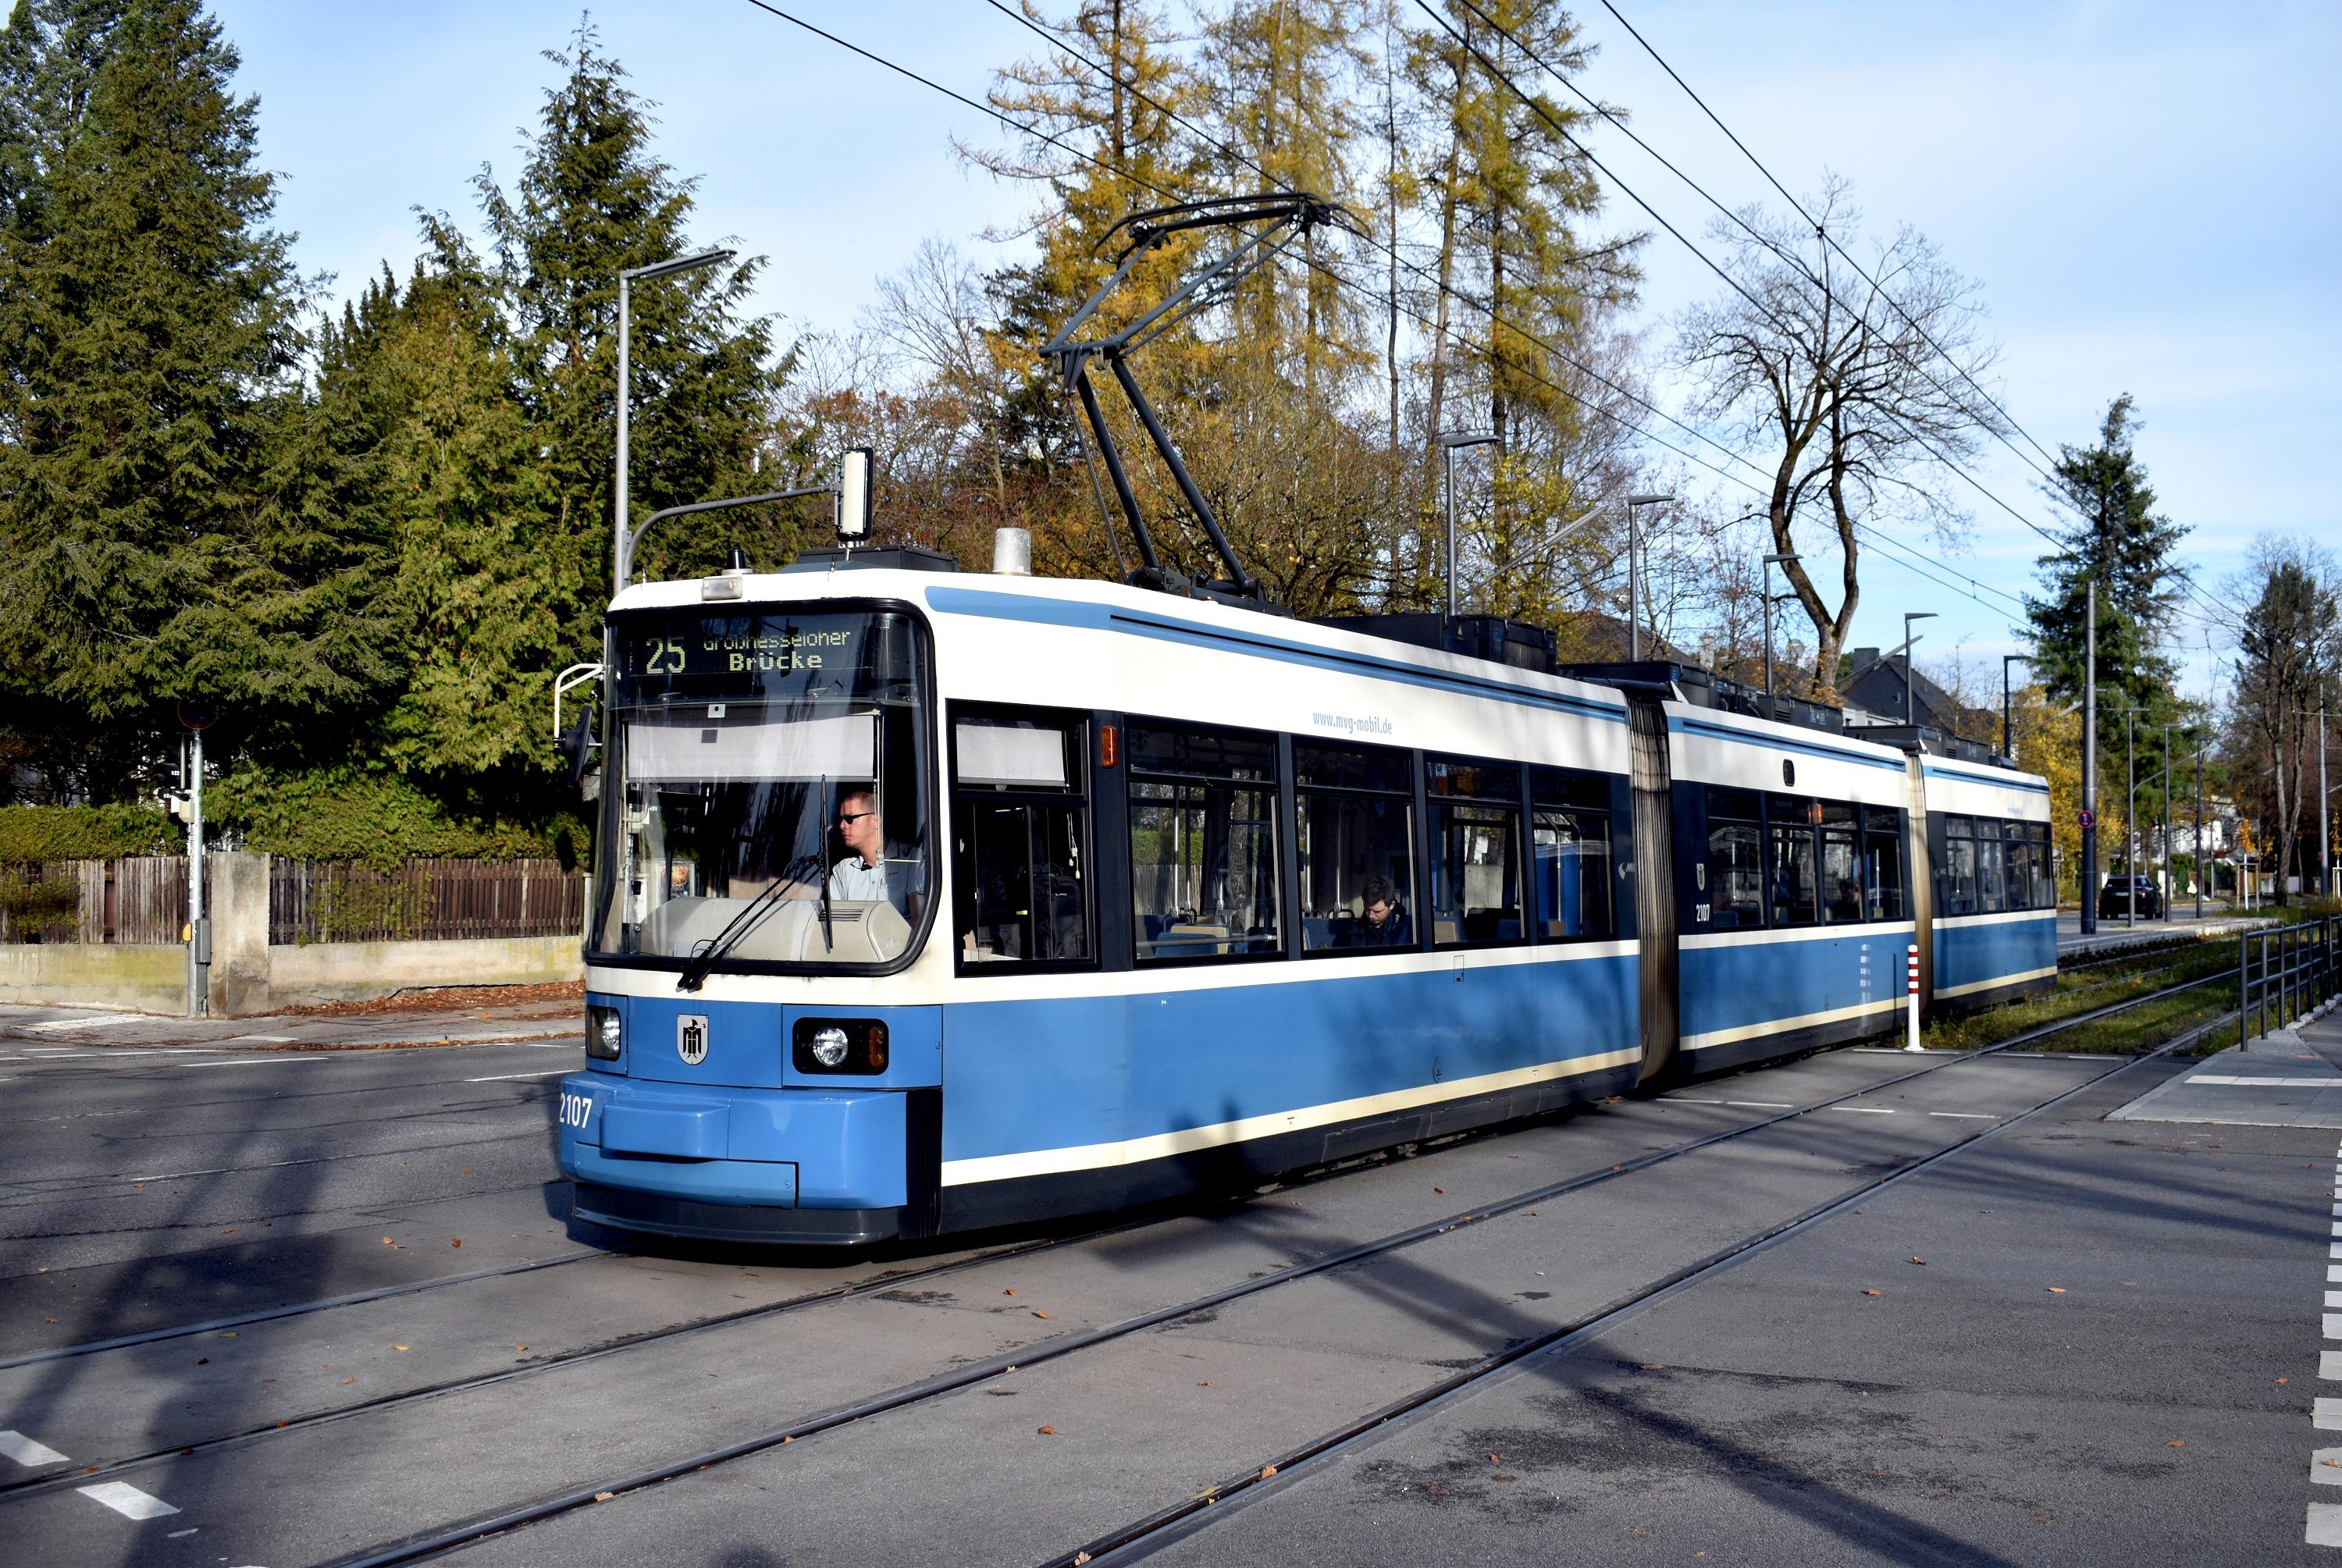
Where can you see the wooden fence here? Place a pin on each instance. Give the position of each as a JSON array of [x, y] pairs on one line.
[[138, 900], [144, 900], [422, 901]]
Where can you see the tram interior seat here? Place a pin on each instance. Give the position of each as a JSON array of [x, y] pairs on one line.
[[1190, 940], [788, 933]]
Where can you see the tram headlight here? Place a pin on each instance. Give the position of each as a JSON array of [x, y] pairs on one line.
[[605, 1033], [838, 1045]]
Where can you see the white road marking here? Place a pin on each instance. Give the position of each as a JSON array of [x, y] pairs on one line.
[[1757, 1104], [2326, 1467], [556, 1072], [252, 1060], [270, 1038], [177, 1534], [2334, 1325], [2329, 1415], [1988, 1116], [96, 1021], [132, 1503], [25, 1451], [2333, 1298], [2231, 1081], [1865, 1110], [2325, 1524]]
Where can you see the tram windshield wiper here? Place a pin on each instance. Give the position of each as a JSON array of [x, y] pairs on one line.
[[794, 875]]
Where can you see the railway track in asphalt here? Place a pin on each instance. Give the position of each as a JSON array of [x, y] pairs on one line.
[[914, 1395], [1296, 1464]]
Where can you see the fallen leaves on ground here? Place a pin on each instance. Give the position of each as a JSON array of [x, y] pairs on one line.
[[1038, 1313], [2181, 1443], [604, 1496], [1869, 1293], [1049, 1431], [1921, 1262], [1266, 1471], [2057, 1290], [402, 1347]]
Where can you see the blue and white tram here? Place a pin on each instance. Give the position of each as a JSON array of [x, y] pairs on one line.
[[927, 902]]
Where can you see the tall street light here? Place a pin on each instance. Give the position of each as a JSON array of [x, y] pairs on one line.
[[1634, 554], [1771, 562], [1910, 709], [621, 561], [1448, 444]]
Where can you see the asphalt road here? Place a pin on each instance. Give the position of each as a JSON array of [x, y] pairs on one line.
[[2092, 1293]]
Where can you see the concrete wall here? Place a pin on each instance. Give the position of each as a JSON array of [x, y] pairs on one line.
[[137, 979], [248, 976], [353, 970]]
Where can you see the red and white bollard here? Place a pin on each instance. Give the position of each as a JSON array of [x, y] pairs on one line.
[[1911, 1013]]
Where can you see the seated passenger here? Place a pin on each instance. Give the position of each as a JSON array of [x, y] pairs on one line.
[[1384, 923], [874, 869], [1848, 904]]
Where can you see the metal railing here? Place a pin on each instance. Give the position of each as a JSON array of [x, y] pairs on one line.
[[2286, 973]]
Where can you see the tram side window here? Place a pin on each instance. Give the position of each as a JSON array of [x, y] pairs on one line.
[[1882, 864], [1790, 886], [1355, 847], [1475, 847], [2036, 835], [1570, 835], [1020, 837], [1959, 866], [2027, 850], [1736, 871], [1203, 843], [1992, 867]]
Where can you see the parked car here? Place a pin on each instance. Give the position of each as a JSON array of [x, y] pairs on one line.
[[2113, 898]]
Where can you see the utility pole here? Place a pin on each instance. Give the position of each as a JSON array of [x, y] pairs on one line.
[[2203, 867], [2325, 826], [1910, 709], [2130, 814], [621, 557], [1771, 562], [2166, 825], [1634, 578], [2089, 888], [2007, 737], [1448, 444]]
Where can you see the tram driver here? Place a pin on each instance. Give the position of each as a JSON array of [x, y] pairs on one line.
[[874, 869]]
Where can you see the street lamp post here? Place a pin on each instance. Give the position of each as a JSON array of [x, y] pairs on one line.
[[621, 561], [1770, 561], [1448, 444], [2088, 879], [1633, 555], [1910, 709], [2130, 816], [2008, 736]]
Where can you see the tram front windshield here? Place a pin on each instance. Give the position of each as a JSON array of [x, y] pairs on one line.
[[765, 795]]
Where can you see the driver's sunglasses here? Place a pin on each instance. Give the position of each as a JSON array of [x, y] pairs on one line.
[[848, 818]]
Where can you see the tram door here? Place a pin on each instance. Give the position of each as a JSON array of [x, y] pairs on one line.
[[1654, 884]]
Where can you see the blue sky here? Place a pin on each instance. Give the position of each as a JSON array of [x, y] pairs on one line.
[[2149, 194]]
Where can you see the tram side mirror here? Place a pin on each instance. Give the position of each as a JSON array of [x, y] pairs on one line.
[[577, 744], [854, 494]]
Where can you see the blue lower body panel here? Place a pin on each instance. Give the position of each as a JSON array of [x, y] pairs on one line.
[[1745, 1000], [1087, 1087], [789, 1148], [1990, 958]]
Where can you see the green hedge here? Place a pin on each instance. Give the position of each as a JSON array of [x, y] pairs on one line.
[[350, 816], [378, 819], [38, 833]]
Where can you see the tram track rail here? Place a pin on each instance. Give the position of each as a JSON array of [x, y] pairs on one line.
[[435, 1543], [1295, 1465]]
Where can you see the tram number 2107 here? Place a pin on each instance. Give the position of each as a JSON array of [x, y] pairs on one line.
[[575, 1108]]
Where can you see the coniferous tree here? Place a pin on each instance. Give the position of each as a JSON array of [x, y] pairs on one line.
[[2119, 539], [148, 335]]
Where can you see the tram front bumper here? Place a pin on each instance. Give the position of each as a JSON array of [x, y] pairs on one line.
[[649, 1145]]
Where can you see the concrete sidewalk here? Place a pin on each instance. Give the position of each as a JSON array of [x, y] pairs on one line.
[[461, 1018], [2287, 1078], [2113, 933]]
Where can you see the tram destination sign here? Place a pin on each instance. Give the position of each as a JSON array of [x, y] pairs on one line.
[[742, 645]]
